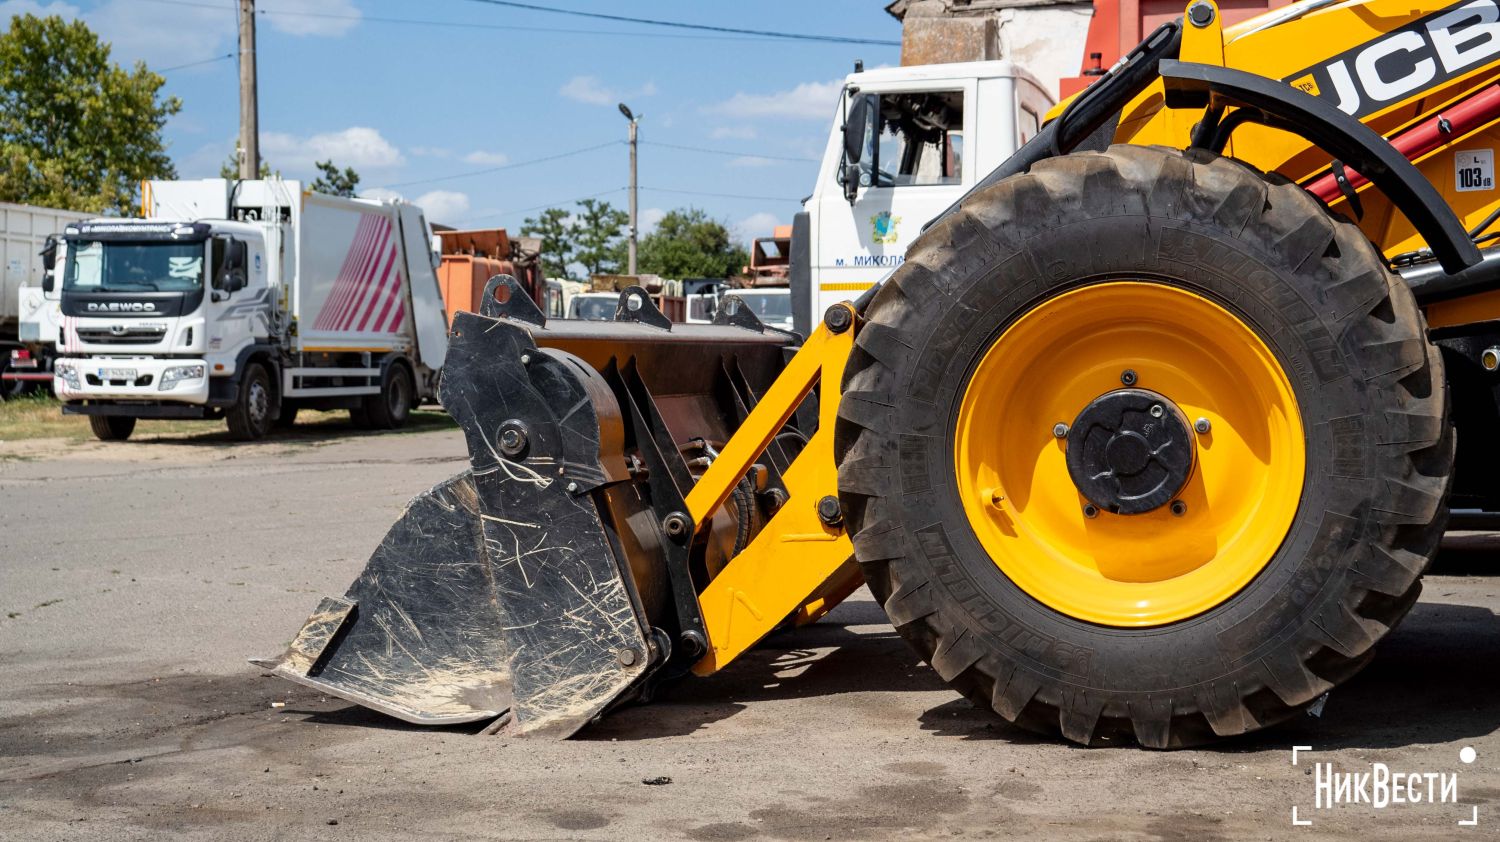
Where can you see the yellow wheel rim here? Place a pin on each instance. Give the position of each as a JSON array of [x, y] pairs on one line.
[[1129, 570]]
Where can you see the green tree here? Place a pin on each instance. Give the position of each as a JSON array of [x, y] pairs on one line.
[[689, 244], [599, 237], [335, 183], [231, 167], [557, 240], [77, 131], [591, 238]]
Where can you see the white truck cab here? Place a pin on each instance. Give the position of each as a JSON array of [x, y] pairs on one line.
[[905, 143]]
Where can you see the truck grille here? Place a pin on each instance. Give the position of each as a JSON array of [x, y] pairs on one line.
[[128, 335]]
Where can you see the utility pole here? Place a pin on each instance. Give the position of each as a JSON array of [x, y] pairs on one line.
[[630, 243], [249, 108]]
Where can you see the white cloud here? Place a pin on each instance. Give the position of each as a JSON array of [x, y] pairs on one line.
[[381, 194], [589, 89], [167, 35], [649, 218], [756, 225], [327, 18], [487, 159], [807, 101], [160, 35], [11, 8], [733, 133], [360, 147], [443, 206]]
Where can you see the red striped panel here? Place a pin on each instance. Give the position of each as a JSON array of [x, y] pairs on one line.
[[359, 317], [355, 274], [364, 241], [364, 275]]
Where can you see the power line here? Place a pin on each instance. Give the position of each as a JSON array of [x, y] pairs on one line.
[[225, 57], [728, 153], [499, 214], [472, 25], [498, 168], [722, 195], [789, 36]]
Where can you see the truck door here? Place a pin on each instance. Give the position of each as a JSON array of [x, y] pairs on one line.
[[913, 165], [244, 316]]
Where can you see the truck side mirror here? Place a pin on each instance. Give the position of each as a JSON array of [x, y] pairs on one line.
[[49, 263], [855, 124], [854, 129]]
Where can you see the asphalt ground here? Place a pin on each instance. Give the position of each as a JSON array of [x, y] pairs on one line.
[[136, 579]]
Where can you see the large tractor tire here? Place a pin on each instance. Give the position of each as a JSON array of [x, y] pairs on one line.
[[1144, 444]]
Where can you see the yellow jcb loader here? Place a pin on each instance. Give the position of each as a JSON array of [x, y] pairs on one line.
[[1151, 437]]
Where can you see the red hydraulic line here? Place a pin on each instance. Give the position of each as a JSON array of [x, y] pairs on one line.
[[1425, 137]]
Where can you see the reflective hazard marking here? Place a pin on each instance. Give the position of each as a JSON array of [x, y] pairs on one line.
[[1474, 169]]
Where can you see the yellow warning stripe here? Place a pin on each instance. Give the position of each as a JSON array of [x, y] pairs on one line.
[[847, 286]]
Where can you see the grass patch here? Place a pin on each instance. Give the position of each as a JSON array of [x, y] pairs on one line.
[[39, 416]]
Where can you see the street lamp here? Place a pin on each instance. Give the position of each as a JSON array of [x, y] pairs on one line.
[[630, 252]]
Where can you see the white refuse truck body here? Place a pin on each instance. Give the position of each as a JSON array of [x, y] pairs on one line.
[[249, 300], [29, 315]]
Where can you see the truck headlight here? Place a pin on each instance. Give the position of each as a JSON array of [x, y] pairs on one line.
[[178, 373], [68, 373]]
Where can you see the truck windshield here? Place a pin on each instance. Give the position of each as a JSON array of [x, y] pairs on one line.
[[97, 266], [772, 308], [596, 308]]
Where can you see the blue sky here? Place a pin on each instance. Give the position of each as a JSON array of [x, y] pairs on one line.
[[408, 104]]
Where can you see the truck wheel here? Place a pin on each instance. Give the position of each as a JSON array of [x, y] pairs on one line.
[[111, 427], [1144, 444], [389, 409], [251, 416]]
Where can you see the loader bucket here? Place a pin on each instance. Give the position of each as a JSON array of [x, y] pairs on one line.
[[549, 581]]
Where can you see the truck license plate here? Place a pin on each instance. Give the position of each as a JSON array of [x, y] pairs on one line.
[[116, 374]]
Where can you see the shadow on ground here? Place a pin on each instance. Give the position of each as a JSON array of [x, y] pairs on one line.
[[336, 427], [1432, 681]]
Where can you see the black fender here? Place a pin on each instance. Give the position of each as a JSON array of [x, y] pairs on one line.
[[224, 391], [1279, 105]]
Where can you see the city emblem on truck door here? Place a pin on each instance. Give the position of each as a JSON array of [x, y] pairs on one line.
[[883, 228]]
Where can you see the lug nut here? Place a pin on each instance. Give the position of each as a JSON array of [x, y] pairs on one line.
[[1060, 430], [1490, 358], [1128, 377], [1179, 508], [1156, 410], [1090, 510], [525, 359], [572, 488], [1202, 425]]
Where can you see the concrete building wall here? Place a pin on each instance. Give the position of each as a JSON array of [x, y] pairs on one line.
[[1044, 36]]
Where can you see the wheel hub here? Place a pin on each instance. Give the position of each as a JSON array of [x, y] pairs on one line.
[[1130, 451]]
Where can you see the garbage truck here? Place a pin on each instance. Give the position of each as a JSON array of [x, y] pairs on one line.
[[247, 301], [29, 316], [1149, 439]]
